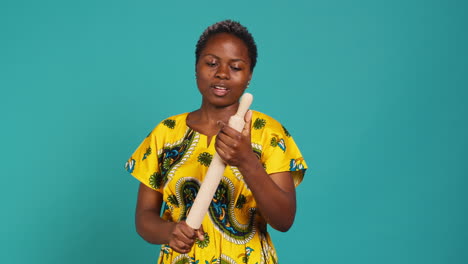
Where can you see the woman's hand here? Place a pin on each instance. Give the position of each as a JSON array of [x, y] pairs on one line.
[[151, 227], [274, 193], [183, 237], [235, 147]]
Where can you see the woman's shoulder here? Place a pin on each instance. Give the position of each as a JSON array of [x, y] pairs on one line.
[[171, 124], [262, 121], [175, 120]]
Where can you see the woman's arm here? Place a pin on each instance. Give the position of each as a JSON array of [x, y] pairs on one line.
[[275, 194], [152, 228]]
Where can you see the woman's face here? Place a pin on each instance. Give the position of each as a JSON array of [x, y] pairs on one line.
[[223, 70]]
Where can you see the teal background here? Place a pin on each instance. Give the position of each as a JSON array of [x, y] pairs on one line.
[[374, 92]]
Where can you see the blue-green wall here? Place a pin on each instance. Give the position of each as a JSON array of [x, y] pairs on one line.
[[374, 92]]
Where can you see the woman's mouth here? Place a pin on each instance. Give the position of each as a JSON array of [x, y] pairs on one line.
[[219, 90]]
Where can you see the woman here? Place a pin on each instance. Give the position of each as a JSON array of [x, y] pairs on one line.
[[263, 165]]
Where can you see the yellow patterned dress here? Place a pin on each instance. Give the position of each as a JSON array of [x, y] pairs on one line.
[[173, 160]]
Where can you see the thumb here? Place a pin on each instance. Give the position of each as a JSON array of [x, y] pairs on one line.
[[248, 123], [220, 124], [200, 233]]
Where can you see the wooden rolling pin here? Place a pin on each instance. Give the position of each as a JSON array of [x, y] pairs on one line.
[[216, 170]]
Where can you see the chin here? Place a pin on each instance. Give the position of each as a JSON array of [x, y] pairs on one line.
[[221, 102]]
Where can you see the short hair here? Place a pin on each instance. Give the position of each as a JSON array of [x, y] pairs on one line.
[[230, 27]]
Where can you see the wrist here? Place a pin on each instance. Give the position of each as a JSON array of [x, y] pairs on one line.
[[250, 164], [169, 226]]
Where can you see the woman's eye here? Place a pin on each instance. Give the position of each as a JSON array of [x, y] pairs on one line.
[[211, 64], [236, 68]]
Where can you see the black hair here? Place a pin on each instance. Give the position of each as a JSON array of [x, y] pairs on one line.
[[230, 27]]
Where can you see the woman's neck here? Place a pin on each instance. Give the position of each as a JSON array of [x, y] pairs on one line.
[[205, 120]]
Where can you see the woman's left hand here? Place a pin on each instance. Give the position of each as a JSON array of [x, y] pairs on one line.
[[235, 147], [274, 193]]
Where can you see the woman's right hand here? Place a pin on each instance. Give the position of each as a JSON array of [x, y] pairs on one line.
[[183, 237], [151, 227]]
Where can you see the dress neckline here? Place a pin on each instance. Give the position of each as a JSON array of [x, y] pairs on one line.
[[207, 140]]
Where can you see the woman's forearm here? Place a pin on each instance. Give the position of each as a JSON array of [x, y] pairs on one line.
[[152, 228], [149, 224], [275, 194]]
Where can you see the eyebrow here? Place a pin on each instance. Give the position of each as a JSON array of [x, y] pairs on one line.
[[209, 54]]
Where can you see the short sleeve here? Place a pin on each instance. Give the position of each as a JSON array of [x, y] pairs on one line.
[[144, 164], [281, 152]]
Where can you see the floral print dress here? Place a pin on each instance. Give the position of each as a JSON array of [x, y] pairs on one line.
[[173, 160]]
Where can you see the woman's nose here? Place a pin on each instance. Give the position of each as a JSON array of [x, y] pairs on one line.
[[222, 72]]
